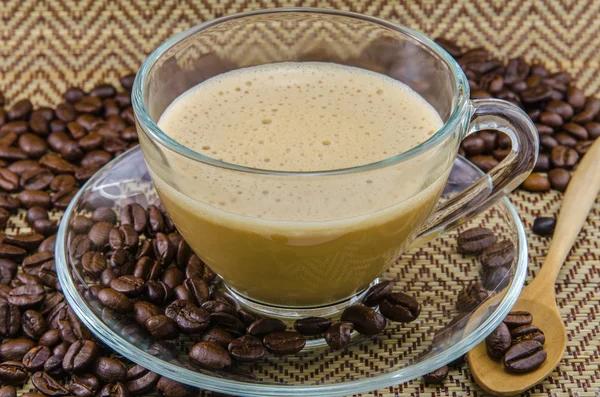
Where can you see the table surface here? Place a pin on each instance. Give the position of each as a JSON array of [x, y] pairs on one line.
[[47, 46]]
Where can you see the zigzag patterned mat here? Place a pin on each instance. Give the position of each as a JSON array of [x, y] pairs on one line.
[[47, 46]]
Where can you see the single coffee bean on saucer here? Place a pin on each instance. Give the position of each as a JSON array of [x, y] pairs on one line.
[[500, 254], [210, 355], [365, 319], [246, 348], [438, 376], [264, 326], [400, 307], [544, 226], [338, 335], [376, 293], [312, 326], [470, 297], [524, 357], [283, 343], [499, 341], [474, 241]]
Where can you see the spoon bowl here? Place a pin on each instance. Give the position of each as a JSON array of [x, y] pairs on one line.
[[538, 297]]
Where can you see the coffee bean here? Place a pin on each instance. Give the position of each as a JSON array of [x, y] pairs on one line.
[[27, 296], [495, 278], [33, 145], [114, 390], [561, 108], [93, 262], [35, 198], [548, 142], [50, 338], [518, 318], [217, 335], [486, 163], [9, 203], [474, 241], [48, 385], [264, 326], [7, 138], [565, 139], [228, 322], [470, 297], [564, 157], [86, 385], [551, 119], [399, 307], [48, 244], [29, 241], [543, 163], [88, 104], [57, 164], [9, 181], [544, 226], [140, 380], [284, 343], [157, 292], [15, 349], [524, 357], [8, 391], [473, 145], [536, 182], [195, 268], [135, 215], [11, 252], [34, 324], [99, 233], [377, 292], [74, 94], [498, 255], [115, 300], [438, 376], [12, 373], [164, 349], [10, 319], [35, 213], [63, 182], [577, 131], [214, 306], [210, 355], [20, 110], [163, 249], [338, 335], [246, 348], [162, 327], [96, 159], [527, 332], [35, 358], [538, 93], [33, 263], [80, 355], [4, 217], [11, 154], [81, 225], [129, 285], [171, 388], [559, 179], [198, 288], [312, 326], [582, 147], [366, 320], [499, 341], [109, 370]]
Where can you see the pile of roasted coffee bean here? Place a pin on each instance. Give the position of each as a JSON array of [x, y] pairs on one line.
[[150, 287], [567, 121], [45, 156], [518, 343]]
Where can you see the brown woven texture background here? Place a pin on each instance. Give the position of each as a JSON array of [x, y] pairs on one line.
[[46, 46]]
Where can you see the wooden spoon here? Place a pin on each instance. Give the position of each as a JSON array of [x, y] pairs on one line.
[[538, 297]]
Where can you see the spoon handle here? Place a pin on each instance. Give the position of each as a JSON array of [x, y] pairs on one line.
[[577, 202]]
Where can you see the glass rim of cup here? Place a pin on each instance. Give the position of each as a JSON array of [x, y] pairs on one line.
[[154, 133]]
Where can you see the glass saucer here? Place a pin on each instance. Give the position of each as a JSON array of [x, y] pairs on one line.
[[431, 271]]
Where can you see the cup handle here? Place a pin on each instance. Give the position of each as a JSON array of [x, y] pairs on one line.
[[489, 114]]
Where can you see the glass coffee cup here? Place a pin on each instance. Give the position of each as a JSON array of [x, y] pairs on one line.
[[295, 263]]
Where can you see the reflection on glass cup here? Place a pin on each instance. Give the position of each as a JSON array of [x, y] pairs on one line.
[[304, 258]]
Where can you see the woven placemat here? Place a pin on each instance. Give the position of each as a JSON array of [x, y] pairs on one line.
[[47, 46]]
